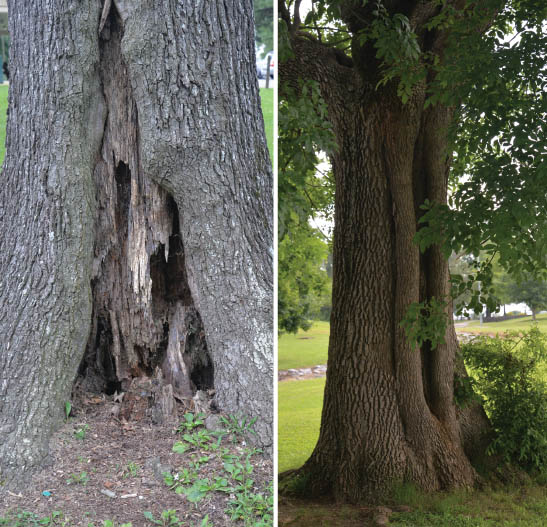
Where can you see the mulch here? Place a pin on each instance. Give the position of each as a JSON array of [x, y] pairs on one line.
[[105, 455]]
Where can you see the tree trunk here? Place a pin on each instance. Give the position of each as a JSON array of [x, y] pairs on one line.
[[388, 413], [136, 213]]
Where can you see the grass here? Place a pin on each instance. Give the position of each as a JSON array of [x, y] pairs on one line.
[[519, 324], [3, 119], [299, 414], [266, 96], [305, 349], [299, 417], [511, 507], [507, 507], [309, 348]]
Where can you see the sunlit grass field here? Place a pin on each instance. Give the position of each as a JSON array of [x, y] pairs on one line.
[[3, 119], [299, 417], [306, 348], [309, 348], [266, 97], [518, 324]]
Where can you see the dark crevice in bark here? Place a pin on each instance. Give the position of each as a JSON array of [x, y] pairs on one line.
[[123, 195]]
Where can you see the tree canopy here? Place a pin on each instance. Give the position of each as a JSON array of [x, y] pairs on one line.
[[264, 23], [494, 77], [531, 292]]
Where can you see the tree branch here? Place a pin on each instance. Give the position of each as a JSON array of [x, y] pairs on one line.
[[315, 61], [296, 16], [284, 12]]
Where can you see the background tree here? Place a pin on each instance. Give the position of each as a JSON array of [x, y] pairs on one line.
[[302, 277], [264, 23], [501, 282], [417, 94], [531, 292], [306, 192], [136, 212]]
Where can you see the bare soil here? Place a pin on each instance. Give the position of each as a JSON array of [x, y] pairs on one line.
[[124, 458]]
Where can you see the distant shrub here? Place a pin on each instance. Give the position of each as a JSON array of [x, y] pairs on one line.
[[510, 373]]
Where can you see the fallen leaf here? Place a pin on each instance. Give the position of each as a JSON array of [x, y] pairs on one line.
[[108, 493], [15, 495]]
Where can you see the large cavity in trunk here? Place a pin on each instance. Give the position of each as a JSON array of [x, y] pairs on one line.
[[145, 323]]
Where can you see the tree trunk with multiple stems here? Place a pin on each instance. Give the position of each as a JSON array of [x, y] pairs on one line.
[[389, 413], [136, 213]]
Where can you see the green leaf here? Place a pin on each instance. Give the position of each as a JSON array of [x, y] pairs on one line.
[[179, 447]]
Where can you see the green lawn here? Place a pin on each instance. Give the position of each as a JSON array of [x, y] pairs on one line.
[[3, 119], [266, 95], [299, 417], [523, 506], [309, 348], [305, 349], [519, 324]]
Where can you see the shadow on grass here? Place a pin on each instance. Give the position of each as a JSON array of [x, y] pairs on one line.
[[504, 506]]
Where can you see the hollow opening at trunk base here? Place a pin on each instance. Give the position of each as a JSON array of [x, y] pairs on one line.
[[145, 324]]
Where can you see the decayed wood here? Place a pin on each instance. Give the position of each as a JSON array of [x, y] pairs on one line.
[[109, 167], [142, 307], [148, 398]]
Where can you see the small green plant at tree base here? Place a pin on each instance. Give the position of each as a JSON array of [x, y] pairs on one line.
[[246, 506], [509, 375], [254, 509], [29, 519], [131, 469], [190, 422], [81, 479], [199, 439], [240, 428], [205, 522], [239, 470], [200, 487], [68, 409], [81, 432], [185, 476], [167, 519]]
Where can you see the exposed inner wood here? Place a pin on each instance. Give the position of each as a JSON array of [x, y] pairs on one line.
[[144, 318]]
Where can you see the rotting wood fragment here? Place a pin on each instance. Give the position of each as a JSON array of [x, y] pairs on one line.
[[144, 316]]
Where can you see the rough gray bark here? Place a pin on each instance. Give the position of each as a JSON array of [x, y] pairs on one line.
[[136, 212]]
